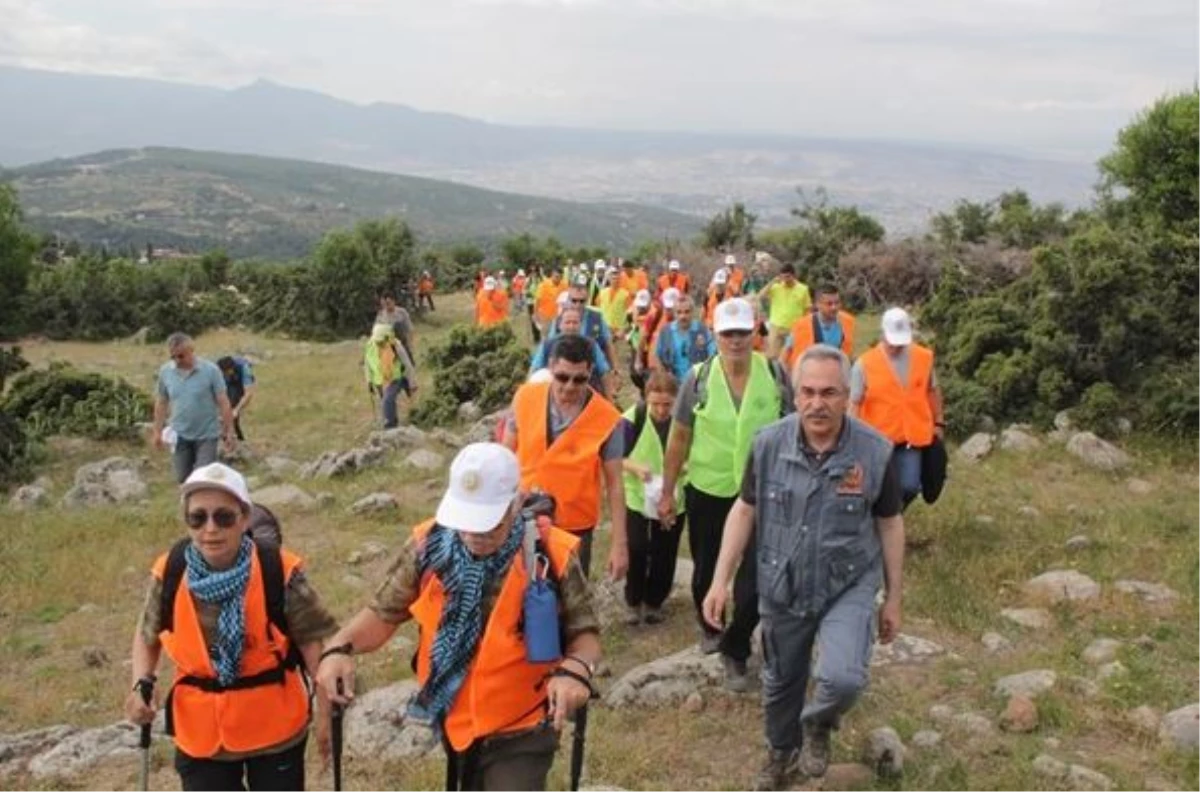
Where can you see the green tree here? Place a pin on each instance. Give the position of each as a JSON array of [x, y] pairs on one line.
[[824, 234], [729, 229], [17, 248], [215, 264], [350, 268]]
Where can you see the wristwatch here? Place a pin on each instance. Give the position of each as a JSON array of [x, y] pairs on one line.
[[591, 667]]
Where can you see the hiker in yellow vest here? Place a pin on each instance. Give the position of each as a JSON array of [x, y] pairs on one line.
[[787, 300], [722, 404], [893, 388], [613, 303], [385, 365], [653, 546]]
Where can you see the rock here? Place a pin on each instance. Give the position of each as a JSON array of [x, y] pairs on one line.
[[976, 447], [940, 713], [469, 411], [1181, 728], [1029, 513], [484, 430], [278, 495], [378, 729], [1080, 777], [1077, 543], [1020, 715], [1062, 421], [1082, 686], [1101, 650], [1028, 683], [694, 702], [1062, 585], [926, 739], [333, 463], [29, 496], [280, 465], [1033, 618], [1145, 719], [446, 437], [84, 749], [995, 643], [424, 459], [1097, 453], [884, 752], [1139, 486], [905, 650], [1052, 743], [985, 519], [667, 681], [17, 749], [397, 437], [375, 502], [848, 776], [1016, 439], [1050, 768], [95, 657], [1124, 426], [113, 480], [369, 552], [142, 336], [1149, 592], [973, 723]]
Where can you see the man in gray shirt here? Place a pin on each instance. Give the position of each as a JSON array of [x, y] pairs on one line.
[[192, 400]]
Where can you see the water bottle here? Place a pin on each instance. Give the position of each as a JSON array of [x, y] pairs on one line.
[[543, 643]]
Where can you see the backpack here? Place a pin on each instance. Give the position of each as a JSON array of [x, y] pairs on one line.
[[700, 384]]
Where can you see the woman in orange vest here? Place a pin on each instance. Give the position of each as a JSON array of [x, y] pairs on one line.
[[827, 325], [546, 299], [238, 707], [499, 678], [491, 304]]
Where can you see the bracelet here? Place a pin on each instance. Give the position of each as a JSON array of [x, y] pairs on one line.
[[580, 678], [342, 649], [591, 668], [144, 682]]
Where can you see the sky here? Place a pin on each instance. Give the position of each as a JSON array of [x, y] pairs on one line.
[[1053, 76]]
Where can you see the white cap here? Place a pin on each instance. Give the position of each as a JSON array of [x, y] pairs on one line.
[[673, 265], [484, 479], [897, 327], [601, 263], [489, 283], [521, 273], [613, 270], [720, 277], [734, 314], [563, 299], [730, 259], [382, 332], [501, 272], [582, 281], [541, 375], [670, 297], [219, 477], [642, 299]]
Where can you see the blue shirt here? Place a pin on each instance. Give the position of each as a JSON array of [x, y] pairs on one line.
[[192, 396], [831, 333], [594, 327], [679, 350], [600, 367]]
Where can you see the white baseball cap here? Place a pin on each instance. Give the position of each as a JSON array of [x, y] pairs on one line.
[[601, 263], [521, 273], [720, 277], [219, 477], [501, 273], [484, 479], [730, 259], [582, 281], [642, 299], [563, 299], [489, 283], [897, 327], [541, 375], [670, 297], [733, 314], [673, 265]]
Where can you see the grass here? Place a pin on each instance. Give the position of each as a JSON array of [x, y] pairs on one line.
[[74, 580]]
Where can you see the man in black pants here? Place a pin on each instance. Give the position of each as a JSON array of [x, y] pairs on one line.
[[721, 406]]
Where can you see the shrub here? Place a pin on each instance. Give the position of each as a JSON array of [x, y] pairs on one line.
[[15, 463], [63, 400], [1099, 409], [484, 366]]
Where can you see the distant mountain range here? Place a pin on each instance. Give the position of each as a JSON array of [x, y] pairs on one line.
[[52, 114], [261, 206]]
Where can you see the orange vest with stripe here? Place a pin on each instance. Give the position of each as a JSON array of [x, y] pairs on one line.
[[502, 692], [248, 719], [570, 467], [803, 336], [900, 412], [491, 307]]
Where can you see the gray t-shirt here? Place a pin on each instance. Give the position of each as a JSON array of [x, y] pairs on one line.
[[858, 379], [399, 319], [685, 402], [613, 448]]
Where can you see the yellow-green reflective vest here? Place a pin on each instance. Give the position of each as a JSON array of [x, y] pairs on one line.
[[649, 451], [371, 363]]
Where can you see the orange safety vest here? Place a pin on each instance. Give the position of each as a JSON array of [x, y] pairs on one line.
[[803, 336], [491, 308], [518, 285], [570, 467], [502, 692], [900, 412], [710, 305], [734, 284], [425, 286], [547, 298], [679, 281], [206, 722]]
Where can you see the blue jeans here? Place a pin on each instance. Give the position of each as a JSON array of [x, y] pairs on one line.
[[907, 461], [191, 454], [391, 391]]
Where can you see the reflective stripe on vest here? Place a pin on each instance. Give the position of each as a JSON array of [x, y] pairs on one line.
[[901, 412], [648, 450], [208, 722], [803, 336], [723, 436], [570, 467], [502, 691]]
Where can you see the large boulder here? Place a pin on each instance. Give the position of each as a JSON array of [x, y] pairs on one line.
[[668, 681], [397, 437], [29, 496], [335, 463], [1148, 592], [1030, 684], [884, 752], [279, 495], [976, 447], [1181, 728], [17, 749], [375, 502], [1101, 650], [1015, 438], [1030, 618], [1097, 453], [1062, 585], [424, 459], [113, 480], [378, 729], [83, 750], [484, 430]]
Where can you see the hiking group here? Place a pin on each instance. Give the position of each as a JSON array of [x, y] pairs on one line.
[[788, 465]]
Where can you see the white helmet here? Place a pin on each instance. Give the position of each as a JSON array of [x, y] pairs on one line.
[[730, 260]]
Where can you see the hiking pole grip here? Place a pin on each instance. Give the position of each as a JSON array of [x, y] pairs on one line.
[[336, 717], [145, 687]]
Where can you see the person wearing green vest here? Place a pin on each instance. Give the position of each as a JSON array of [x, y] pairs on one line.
[[787, 299], [613, 303], [653, 546], [722, 404], [385, 363]]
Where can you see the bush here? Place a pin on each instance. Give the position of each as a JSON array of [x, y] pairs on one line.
[[15, 462], [1099, 409], [63, 400], [484, 366]]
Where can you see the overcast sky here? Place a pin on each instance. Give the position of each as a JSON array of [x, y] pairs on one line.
[[1050, 75]]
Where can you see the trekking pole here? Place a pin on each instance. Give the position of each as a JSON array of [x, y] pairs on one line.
[[145, 687], [336, 716], [578, 740]]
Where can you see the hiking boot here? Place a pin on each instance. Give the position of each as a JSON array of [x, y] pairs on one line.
[[655, 615], [737, 680], [779, 771], [814, 750], [710, 642], [634, 615]]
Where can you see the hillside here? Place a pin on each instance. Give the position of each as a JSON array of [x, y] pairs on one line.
[[260, 206], [902, 183]]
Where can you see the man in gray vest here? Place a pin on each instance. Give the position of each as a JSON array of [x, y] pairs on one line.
[[825, 504]]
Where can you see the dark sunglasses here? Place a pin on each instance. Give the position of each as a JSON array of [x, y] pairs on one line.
[[578, 379], [221, 517], [734, 334], [579, 301]]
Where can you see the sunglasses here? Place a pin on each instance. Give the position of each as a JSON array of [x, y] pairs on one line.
[[578, 302], [734, 334], [578, 379], [222, 517]]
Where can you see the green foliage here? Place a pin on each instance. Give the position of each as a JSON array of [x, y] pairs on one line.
[[63, 400], [481, 365], [1011, 219], [731, 229], [11, 362], [15, 450], [1099, 409], [17, 247], [825, 234]]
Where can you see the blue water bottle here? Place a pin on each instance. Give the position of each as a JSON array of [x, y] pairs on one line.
[[542, 641]]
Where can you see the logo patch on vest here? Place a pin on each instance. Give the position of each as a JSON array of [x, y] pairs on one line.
[[852, 482]]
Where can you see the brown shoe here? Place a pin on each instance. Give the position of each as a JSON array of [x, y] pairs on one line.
[[779, 771], [814, 750]]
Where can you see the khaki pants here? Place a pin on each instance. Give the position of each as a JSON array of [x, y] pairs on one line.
[[776, 336]]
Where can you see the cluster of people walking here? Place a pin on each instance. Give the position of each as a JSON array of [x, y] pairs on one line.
[[787, 465]]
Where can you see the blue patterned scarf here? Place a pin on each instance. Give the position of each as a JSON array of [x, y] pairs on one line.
[[227, 588], [465, 580]]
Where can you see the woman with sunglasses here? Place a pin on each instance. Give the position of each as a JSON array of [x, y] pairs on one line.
[[238, 708]]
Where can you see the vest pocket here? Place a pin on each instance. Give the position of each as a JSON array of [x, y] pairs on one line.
[[776, 576], [845, 567], [848, 512]]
